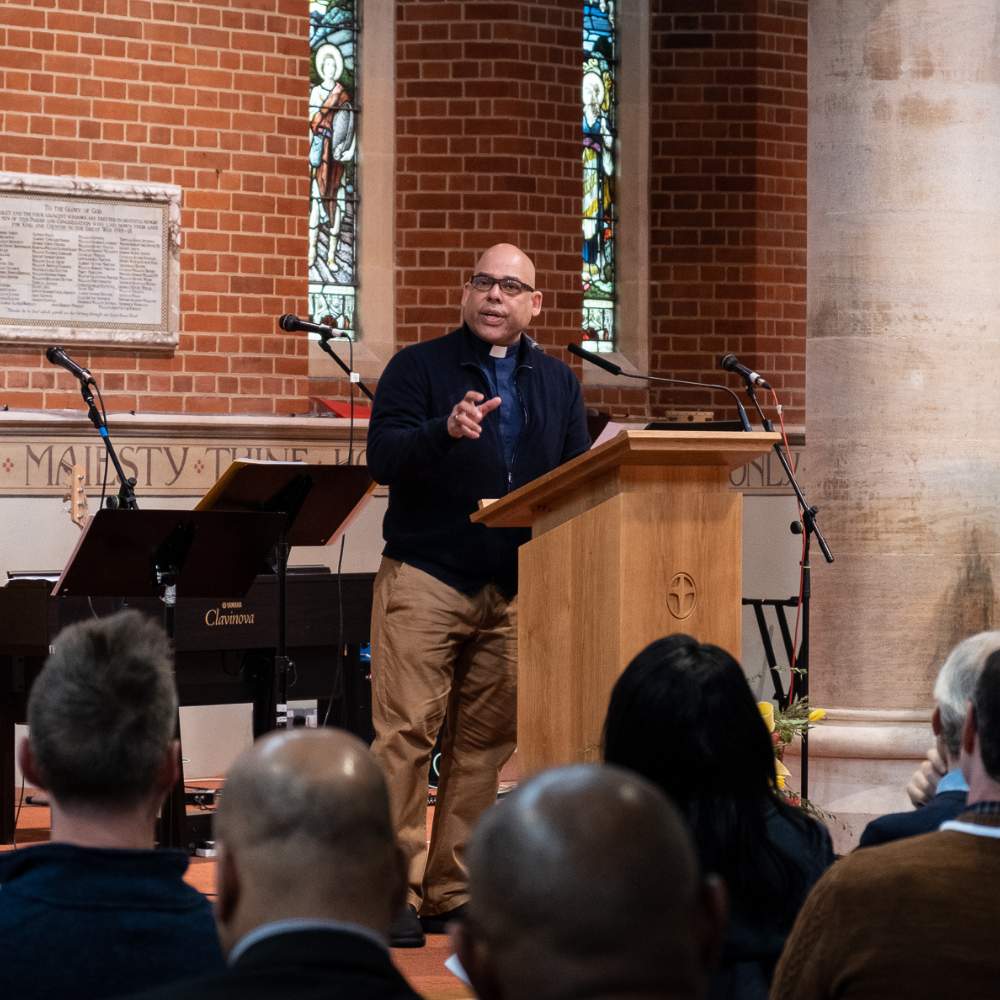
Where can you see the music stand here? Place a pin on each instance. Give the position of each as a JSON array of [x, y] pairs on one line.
[[156, 553], [318, 503]]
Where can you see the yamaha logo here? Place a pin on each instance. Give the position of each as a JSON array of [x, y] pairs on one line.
[[228, 613]]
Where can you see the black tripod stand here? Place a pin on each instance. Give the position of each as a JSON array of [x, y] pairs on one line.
[[808, 528]]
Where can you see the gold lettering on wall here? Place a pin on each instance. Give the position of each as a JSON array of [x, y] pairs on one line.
[[765, 474], [36, 466]]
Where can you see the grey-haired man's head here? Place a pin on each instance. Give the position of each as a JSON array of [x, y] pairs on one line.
[[102, 713], [955, 686]]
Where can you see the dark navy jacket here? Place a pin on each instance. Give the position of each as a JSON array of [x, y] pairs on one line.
[[435, 481], [301, 965], [87, 922], [895, 826]]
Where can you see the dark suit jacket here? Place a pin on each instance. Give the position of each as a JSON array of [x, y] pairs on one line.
[[926, 819], [307, 965]]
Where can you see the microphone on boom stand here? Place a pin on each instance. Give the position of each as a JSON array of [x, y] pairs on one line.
[[292, 324], [609, 366], [58, 356], [805, 526], [730, 363], [126, 494]]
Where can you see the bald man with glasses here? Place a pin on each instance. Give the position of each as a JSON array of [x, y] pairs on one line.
[[473, 414]]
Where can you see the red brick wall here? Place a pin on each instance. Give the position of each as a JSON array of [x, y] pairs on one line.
[[728, 199], [207, 95], [211, 96], [487, 150]]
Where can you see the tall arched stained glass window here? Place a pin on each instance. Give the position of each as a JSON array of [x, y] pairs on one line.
[[333, 198], [599, 134]]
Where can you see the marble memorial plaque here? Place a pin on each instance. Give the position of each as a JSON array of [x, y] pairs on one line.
[[88, 262]]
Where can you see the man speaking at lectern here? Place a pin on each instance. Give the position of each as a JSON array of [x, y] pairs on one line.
[[470, 415]]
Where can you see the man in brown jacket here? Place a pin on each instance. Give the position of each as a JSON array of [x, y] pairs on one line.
[[915, 918]]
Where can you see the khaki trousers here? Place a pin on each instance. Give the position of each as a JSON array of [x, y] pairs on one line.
[[439, 656]]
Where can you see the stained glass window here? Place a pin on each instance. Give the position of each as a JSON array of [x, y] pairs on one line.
[[333, 197], [599, 133]]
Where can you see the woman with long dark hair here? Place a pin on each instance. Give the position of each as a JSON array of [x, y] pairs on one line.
[[683, 715]]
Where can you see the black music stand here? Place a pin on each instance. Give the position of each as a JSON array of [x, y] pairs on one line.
[[318, 503], [158, 553]]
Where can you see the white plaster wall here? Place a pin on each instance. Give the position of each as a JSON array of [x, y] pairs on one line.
[[771, 556]]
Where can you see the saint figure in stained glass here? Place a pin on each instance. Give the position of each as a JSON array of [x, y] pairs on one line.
[[332, 166], [598, 134], [332, 127]]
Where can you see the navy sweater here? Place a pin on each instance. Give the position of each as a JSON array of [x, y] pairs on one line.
[[87, 922], [435, 481]]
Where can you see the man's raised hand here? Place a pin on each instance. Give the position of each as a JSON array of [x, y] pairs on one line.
[[467, 415], [923, 784]]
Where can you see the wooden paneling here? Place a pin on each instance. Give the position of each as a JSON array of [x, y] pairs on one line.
[[632, 541]]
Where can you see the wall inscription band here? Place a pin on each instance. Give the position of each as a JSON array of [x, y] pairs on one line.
[[41, 467], [764, 475]]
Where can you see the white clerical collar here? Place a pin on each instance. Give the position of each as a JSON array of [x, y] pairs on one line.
[[500, 350]]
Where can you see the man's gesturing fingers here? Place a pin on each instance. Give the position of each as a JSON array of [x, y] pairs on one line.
[[467, 415]]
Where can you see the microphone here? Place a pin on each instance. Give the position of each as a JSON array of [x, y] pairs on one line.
[[609, 366], [58, 356], [730, 363], [291, 324], [594, 358]]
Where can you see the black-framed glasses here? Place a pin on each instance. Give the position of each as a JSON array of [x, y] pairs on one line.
[[509, 286]]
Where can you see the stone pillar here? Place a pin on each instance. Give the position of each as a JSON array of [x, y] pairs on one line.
[[903, 372]]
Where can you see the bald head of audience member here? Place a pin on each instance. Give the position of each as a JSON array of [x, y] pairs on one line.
[[304, 831], [585, 882]]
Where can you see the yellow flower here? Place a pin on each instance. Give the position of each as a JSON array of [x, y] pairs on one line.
[[767, 714], [782, 773], [817, 715]]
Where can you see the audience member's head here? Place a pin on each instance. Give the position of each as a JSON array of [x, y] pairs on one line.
[[101, 719], [980, 745], [97, 912], [584, 882], [304, 831], [683, 715], [955, 685]]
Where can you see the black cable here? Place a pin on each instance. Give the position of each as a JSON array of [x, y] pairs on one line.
[[17, 813], [337, 687]]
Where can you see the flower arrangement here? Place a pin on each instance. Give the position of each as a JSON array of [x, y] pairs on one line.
[[785, 725]]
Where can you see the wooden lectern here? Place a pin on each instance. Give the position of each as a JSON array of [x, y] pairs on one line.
[[637, 538]]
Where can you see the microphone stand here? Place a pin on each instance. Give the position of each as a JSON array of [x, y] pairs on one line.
[[355, 379], [126, 492], [807, 527], [324, 343]]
